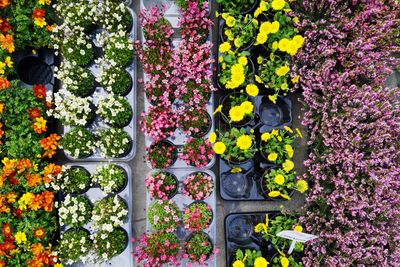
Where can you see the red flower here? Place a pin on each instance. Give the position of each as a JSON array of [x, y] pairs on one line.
[[6, 230], [39, 91], [38, 13], [5, 26], [2, 263], [38, 233], [34, 113]]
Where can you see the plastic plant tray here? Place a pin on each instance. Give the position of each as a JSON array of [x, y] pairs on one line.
[[94, 194]]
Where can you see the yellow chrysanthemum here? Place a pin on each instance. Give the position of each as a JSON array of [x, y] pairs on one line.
[[289, 150], [279, 179], [257, 12], [224, 47], [252, 90], [266, 28], [282, 71], [275, 27], [283, 44], [238, 42], [298, 228], [236, 113], [273, 98], [274, 194], [230, 21], [295, 79], [284, 262], [244, 142], [237, 69], [260, 262], [261, 38], [247, 106], [213, 137], [238, 264], [288, 165], [20, 237], [273, 156], [278, 4], [302, 186], [220, 58], [275, 132], [274, 45], [298, 40], [265, 136], [243, 61], [219, 148], [292, 48]]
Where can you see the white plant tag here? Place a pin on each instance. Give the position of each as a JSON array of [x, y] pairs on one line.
[[295, 237]]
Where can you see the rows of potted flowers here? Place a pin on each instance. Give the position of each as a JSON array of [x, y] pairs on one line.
[[95, 103], [178, 87]]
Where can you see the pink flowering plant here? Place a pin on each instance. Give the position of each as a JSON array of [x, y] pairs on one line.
[[160, 122], [157, 249], [161, 155], [197, 152], [161, 185], [198, 185], [197, 216], [164, 215], [198, 248], [194, 121]]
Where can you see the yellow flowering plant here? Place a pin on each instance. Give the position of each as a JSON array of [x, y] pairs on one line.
[[276, 183], [282, 260], [236, 6], [239, 30], [235, 145], [249, 258], [237, 109], [236, 68]]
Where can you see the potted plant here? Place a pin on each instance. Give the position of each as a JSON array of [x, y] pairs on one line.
[[74, 246], [75, 211], [75, 180], [161, 185], [276, 183], [239, 30], [197, 152], [156, 27], [198, 247], [74, 45], [249, 258], [164, 215], [198, 185], [237, 109], [77, 80], [238, 6], [114, 142], [107, 245], [71, 109], [157, 249], [110, 177], [78, 143], [159, 93], [196, 94], [161, 154], [109, 213], [235, 145], [235, 68], [277, 145], [114, 16], [195, 122], [114, 110], [74, 14], [160, 122], [118, 49], [197, 216], [114, 80], [280, 259]]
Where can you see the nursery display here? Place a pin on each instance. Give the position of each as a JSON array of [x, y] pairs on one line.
[[114, 110], [77, 80]]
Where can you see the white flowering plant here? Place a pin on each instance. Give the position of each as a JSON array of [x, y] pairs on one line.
[[75, 211], [74, 180], [76, 13], [109, 213], [114, 16], [115, 80], [118, 48], [74, 246], [113, 142], [74, 44], [77, 80], [110, 177], [114, 110], [72, 110], [78, 143], [107, 245]]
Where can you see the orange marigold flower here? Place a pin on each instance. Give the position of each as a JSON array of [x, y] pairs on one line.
[[49, 105], [39, 91], [40, 125], [50, 171], [6, 230], [36, 203], [4, 83], [7, 42], [47, 198], [38, 233], [4, 3], [11, 197], [34, 113], [38, 13], [37, 248], [1, 108], [5, 26], [24, 164], [33, 180], [50, 28], [41, 22], [50, 145]]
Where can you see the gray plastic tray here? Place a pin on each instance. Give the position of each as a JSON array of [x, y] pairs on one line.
[[125, 259], [183, 201], [98, 124]]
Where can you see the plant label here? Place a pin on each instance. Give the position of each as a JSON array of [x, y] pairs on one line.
[[295, 237]]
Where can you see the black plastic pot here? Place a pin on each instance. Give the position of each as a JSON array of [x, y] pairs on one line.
[[274, 115], [226, 105], [236, 185], [170, 144], [240, 230], [264, 190], [251, 9], [33, 70]]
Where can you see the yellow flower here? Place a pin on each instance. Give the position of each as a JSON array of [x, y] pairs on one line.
[[284, 86], [298, 228], [285, 196], [220, 58], [230, 21], [219, 148], [273, 156], [292, 48], [266, 28], [278, 4], [238, 42], [288, 165], [273, 98], [223, 65], [236, 113], [243, 61], [257, 12], [229, 34], [237, 69], [8, 62], [280, 138], [258, 79], [213, 137], [218, 109], [274, 194], [225, 16], [259, 60], [275, 132], [224, 47], [283, 44], [261, 38], [299, 133], [284, 262], [247, 107], [302, 186], [47, 2], [275, 27], [296, 20], [20, 237], [261, 262], [238, 264], [255, 22], [282, 71], [274, 45], [265, 136], [298, 40], [252, 90], [287, 128], [232, 84], [261, 228], [41, 22], [263, 5], [295, 79], [236, 170], [289, 150], [279, 179], [244, 142]]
